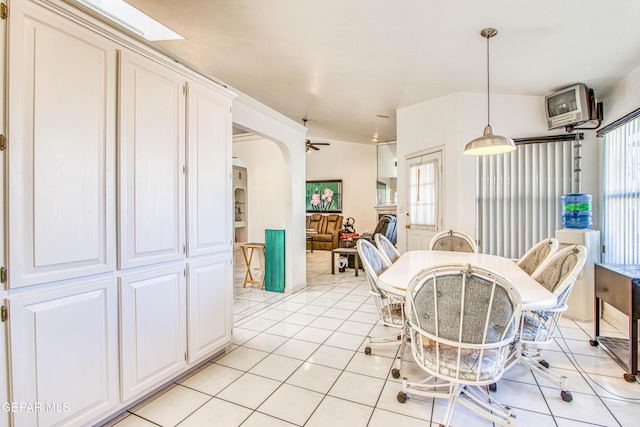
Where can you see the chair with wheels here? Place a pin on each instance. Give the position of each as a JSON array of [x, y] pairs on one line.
[[386, 248], [389, 302], [558, 275], [463, 321], [538, 255], [452, 240]]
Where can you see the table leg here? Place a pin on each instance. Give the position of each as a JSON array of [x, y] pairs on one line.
[[633, 345], [357, 263], [596, 319], [248, 277], [333, 262]]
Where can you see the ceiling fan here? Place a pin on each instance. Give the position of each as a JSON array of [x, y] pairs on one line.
[[311, 146]]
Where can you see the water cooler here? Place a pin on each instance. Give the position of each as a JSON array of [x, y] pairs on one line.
[[581, 299]]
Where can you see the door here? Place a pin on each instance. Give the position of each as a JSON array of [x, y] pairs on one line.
[[64, 353], [209, 306], [152, 328], [61, 191], [151, 185], [424, 198]]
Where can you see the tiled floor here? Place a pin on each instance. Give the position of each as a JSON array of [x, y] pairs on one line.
[[298, 360]]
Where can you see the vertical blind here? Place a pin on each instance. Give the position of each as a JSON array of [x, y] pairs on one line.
[[423, 191], [518, 196], [621, 194]]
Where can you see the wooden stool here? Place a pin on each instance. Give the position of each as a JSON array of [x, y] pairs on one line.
[[248, 276]]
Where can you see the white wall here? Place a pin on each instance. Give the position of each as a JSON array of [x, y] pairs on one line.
[[623, 98], [454, 120], [265, 181], [355, 165], [257, 118]]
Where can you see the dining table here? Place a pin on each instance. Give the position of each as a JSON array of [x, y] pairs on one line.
[[533, 295]]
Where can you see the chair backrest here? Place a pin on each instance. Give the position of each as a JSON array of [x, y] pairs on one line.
[[452, 240], [559, 273], [538, 254], [386, 248], [316, 222], [465, 320], [387, 225], [372, 262], [333, 222]]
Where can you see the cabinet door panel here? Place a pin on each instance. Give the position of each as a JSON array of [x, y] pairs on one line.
[[152, 328], [61, 162], [151, 163], [64, 353], [209, 167], [209, 303]]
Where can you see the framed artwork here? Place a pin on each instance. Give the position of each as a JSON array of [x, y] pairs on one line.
[[324, 196]]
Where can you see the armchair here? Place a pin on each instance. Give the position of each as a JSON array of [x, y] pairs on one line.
[[328, 227]]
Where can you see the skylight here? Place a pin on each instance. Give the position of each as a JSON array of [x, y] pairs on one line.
[[131, 18]]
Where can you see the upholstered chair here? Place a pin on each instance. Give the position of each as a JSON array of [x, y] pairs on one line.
[[463, 321], [453, 240], [386, 248], [537, 255], [389, 303]]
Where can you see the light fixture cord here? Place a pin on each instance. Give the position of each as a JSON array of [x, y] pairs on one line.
[[488, 88]]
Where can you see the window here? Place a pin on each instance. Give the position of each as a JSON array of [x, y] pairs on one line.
[[621, 194], [518, 196], [424, 191], [131, 18]]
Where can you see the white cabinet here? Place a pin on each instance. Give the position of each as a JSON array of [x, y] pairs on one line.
[[208, 163], [151, 160], [209, 306], [99, 234], [62, 91], [152, 328], [64, 353]]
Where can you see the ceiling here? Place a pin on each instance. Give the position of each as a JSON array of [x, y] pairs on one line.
[[348, 65]]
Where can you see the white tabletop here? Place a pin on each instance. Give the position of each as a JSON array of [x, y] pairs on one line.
[[534, 296]]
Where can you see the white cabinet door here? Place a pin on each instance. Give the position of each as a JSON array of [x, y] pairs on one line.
[[64, 353], [208, 171], [152, 328], [151, 186], [62, 91], [209, 309]]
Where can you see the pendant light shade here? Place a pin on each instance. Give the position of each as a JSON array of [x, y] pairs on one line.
[[489, 143]]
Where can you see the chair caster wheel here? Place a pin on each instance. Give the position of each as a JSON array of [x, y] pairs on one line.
[[395, 373], [544, 363], [566, 396], [367, 350], [630, 378], [594, 343], [493, 387], [402, 397]]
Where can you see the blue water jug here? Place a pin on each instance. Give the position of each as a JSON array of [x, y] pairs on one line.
[[576, 210]]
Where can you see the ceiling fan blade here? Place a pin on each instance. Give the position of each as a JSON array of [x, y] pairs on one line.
[[312, 147], [320, 143]]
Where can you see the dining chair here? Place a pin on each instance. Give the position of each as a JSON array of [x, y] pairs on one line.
[[538, 254], [463, 321], [453, 240], [389, 303], [386, 248], [558, 275]]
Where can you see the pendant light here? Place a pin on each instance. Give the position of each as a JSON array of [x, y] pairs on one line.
[[489, 143]]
